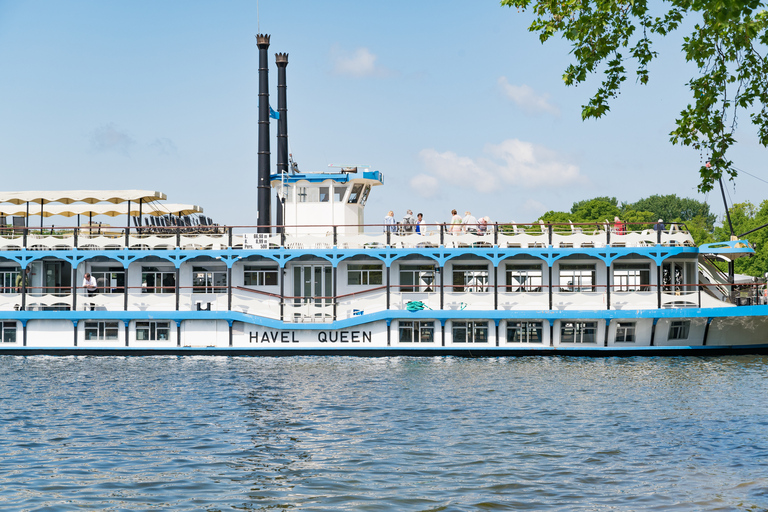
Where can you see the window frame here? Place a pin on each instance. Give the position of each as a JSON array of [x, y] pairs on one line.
[[101, 330], [365, 271], [418, 330], [523, 330], [152, 329], [582, 331], [472, 330]]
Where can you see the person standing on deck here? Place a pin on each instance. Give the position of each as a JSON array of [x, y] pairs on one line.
[[389, 222], [419, 222], [455, 223], [470, 222]]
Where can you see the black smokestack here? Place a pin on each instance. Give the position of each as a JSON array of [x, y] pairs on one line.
[[281, 59], [263, 197]]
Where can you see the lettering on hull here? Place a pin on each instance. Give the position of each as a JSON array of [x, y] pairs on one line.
[[322, 337]]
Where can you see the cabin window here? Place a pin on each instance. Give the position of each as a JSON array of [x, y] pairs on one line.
[[416, 332], [470, 332], [417, 278], [364, 274], [8, 280], [338, 194], [153, 330], [260, 276], [631, 277], [577, 278], [524, 332], [625, 332], [578, 332], [8, 334], [679, 329], [325, 194], [524, 278], [354, 196], [365, 195], [309, 194], [109, 280], [101, 330], [156, 280], [679, 276], [206, 280], [470, 278]]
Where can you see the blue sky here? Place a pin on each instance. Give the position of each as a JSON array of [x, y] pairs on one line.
[[454, 101]]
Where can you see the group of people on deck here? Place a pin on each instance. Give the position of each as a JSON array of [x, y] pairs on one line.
[[457, 225], [409, 224]]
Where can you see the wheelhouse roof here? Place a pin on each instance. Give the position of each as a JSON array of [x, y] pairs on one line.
[[81, 196]]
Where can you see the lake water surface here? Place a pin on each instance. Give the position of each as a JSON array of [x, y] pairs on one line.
[[400, 433]]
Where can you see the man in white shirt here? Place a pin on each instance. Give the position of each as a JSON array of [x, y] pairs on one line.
[[469, 222], [89, 283]]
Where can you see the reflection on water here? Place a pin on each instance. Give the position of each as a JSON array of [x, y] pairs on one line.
[[325, 433]]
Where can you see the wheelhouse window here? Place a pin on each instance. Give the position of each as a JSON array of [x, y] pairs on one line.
[[524, 332], [338, 194], [416, 331], [354, 195], [417, 278], [205, 280], [364, 274], [101, 330], [324, 194], [469, 332], [470, 278], [577, 278], [308, 194], [524, 278], [156, 280], [631, 277], [8, 278], [8, 334], [364, 198], [578, 332], [260, 276], [109, 280], [153, 330], [625, 332], [679, 330]]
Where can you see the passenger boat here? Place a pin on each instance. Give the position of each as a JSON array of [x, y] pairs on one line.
[[320, 280]]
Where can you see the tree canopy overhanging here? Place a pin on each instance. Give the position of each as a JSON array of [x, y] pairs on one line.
[[728, 44]]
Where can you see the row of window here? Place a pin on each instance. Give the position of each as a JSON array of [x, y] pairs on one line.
[[418, 331]]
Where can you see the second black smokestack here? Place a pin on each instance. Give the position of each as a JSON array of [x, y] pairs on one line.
[[281, 59], [263, 192]]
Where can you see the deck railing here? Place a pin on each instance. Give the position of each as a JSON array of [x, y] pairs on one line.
[[368, 236]]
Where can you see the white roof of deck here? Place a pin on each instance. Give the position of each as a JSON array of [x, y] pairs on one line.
[[81, 196], [111, 210]]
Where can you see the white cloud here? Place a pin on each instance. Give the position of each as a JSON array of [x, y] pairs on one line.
[[425, 185], [358, 64], [163, 146], [512, 162], [109, 138], [527, 99]]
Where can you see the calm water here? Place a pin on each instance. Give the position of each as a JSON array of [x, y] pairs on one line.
[[325, 433]]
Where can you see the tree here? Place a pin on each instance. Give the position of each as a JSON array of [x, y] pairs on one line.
[[671, 208], [728, 44]]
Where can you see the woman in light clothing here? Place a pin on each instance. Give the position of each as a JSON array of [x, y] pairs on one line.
[[455, 223]]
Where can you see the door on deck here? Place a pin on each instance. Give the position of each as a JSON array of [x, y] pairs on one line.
[[313, 284]]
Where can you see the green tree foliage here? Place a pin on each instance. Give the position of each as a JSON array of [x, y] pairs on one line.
[[745, 217], [675, 209], [727, 44]]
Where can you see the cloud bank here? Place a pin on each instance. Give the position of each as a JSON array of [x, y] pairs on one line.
[[527, 99]]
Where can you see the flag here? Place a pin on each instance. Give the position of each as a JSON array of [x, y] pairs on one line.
[[273, 114]]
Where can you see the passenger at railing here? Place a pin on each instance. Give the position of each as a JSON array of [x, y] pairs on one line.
[[659, 226], [389, 222], [25, 283], [408, 223], [482, 227], [455, 223], [419, 224], [470, 222], [90, 284], [619, 227]]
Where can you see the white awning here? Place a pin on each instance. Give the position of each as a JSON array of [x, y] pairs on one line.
[[81, 196], [111, 210]]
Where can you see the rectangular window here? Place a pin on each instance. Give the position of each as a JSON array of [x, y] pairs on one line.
[[153, 330], [578, 332], [524, 332], [8, 334], [8, 280], [577, 278], [631, 277], [417, 278], [324, 194], [354, 195], [109, 280], [338, 194], [470, 278], [524, 278], [101, 330], [469, 331], [260, 276], [679, 329], [416, 331], [364, 274], [205, 280], [156, 280], [625, 332], [308, 194]]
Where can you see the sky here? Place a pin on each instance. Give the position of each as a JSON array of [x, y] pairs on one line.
[[454, 101]]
